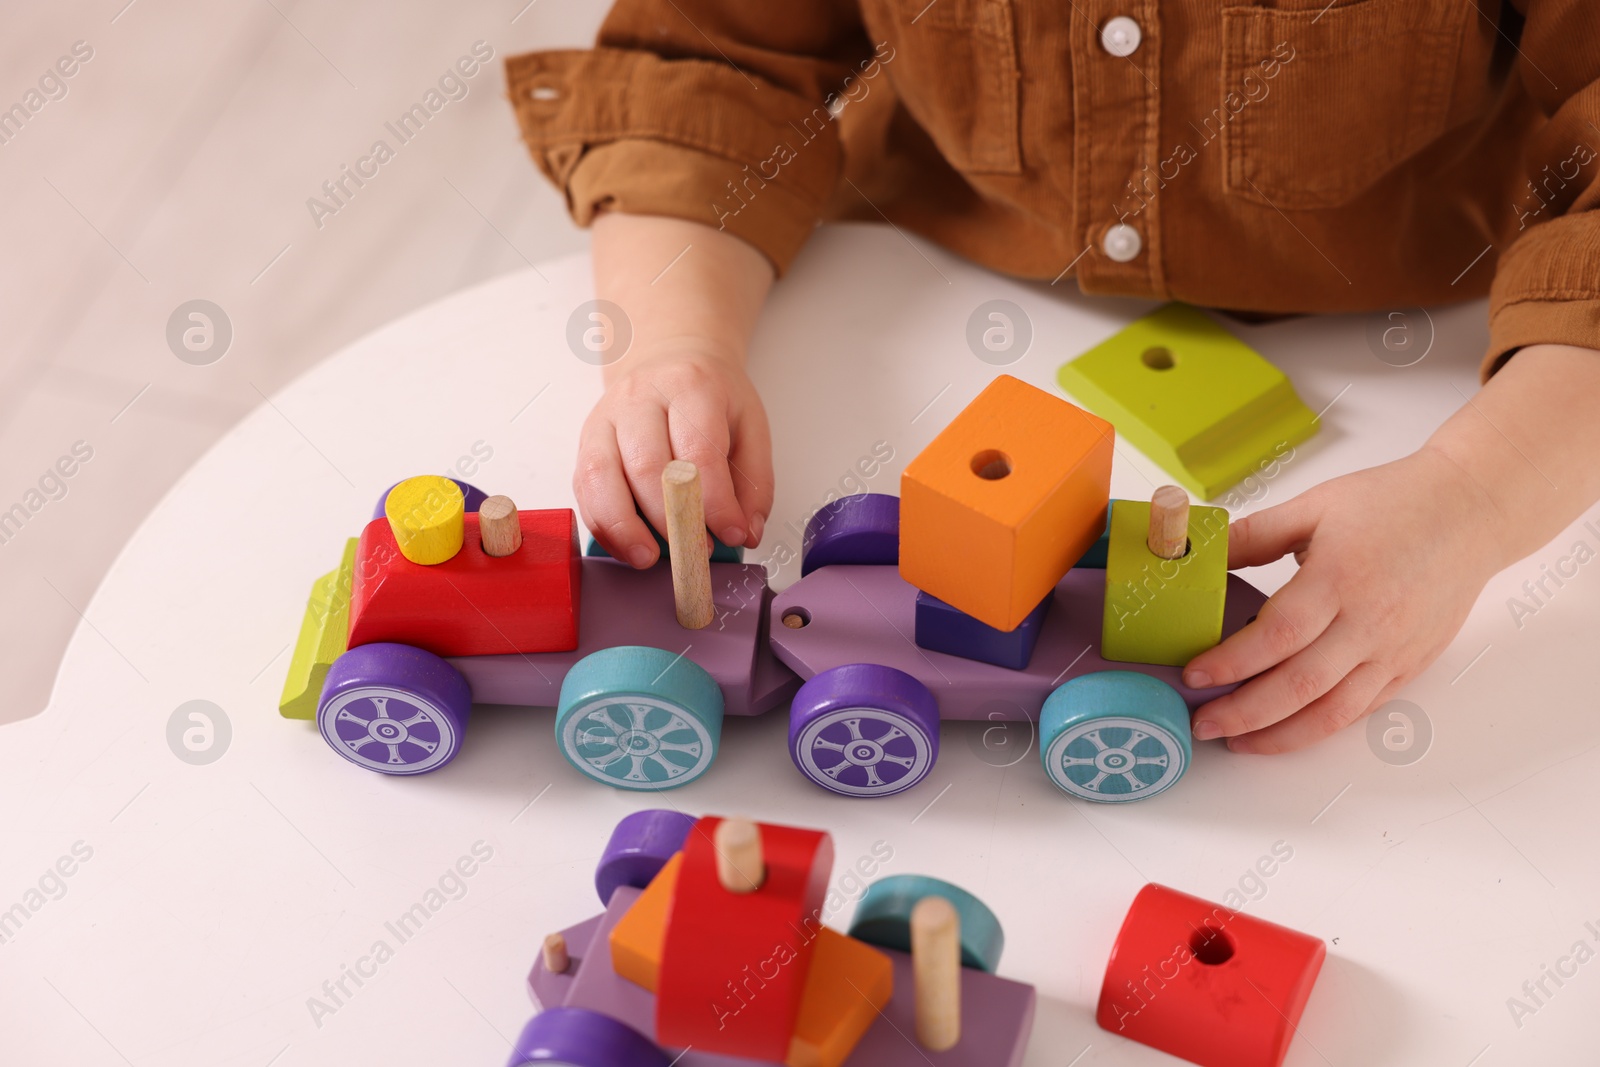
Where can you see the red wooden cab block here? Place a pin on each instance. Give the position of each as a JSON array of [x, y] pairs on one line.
[[473, 604], [1207, 984], [734, 965]]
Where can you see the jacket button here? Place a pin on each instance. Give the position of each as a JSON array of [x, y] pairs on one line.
[[1121, 243], [1120, 36]]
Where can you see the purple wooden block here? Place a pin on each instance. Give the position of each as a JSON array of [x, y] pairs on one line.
[[863, 528], [868, 614], [942, 628], [639, 847], [622, 606], [997, 1012]]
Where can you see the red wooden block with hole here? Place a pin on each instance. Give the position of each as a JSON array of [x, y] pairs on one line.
[[1210, 985], [473, 604], [734, 965]]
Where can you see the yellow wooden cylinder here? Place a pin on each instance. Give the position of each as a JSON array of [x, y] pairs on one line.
[[428, 516]]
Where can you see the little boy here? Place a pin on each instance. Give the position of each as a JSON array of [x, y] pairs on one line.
[[1278, 156]]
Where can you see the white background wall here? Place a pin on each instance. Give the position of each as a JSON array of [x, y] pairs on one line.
[[177, 166]]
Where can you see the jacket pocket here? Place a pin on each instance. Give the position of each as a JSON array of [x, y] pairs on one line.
[[954, 69], [1319, 104]]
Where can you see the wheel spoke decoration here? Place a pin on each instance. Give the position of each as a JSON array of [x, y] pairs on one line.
[[1114, 759], [864, 751], [387, 729], [637, 741]]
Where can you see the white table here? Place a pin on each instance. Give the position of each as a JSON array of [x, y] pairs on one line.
[[219, 898]]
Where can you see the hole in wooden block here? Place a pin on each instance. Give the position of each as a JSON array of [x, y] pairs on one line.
[[1210, 945], [797, 618], [1158, 357], [991, 464]]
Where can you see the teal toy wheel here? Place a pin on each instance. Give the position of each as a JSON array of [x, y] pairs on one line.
[[1114, 736], [639, 718], [883, 918]]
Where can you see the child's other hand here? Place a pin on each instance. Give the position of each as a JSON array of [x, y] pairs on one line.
[[1391, 560], [676, 402]]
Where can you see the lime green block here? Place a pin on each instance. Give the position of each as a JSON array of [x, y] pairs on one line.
[[1192, 397], [1163, 610], [323, 634]]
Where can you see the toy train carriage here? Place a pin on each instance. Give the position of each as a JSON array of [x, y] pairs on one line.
[[393, 652], [713, 952]]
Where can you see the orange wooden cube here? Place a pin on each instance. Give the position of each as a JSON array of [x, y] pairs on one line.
[[1004, 501]]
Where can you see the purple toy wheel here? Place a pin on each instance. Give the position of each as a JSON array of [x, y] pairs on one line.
[[576, 1037], [474, 495], [862, 730], [639, 847], [861, 528], [394, 709]]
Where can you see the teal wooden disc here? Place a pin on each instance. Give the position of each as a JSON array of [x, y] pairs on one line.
[[1114, 736], [639, 718], [883, 918]]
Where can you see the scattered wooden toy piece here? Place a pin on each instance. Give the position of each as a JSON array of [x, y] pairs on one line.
[[471, 604], [941, 628], [498, 527], [687, 540], [1192, 397], [1004, 501], [734, 965], [425, 517], [1210, 985], [556, 958], [936, 962], [1164, 609]]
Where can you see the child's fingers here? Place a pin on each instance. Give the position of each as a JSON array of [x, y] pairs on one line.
[[699, 433], [1293, 684], [605, 502], [1286, 624], [645, 448], [1271, 534], [1356, 697], [753, 478]]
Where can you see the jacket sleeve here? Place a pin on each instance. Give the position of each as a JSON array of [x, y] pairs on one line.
[[1547, 283], [714, 111]]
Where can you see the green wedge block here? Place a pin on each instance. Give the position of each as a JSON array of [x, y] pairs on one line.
[[1192, 397], [323, 634]]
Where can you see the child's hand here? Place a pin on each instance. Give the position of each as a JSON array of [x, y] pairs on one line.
[[1391, 560], [675, 403]]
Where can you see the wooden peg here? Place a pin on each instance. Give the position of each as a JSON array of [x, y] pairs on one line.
[[499, 526], [936, 972], [740, 866], [556, 959], [1169, 522], [686, 543]]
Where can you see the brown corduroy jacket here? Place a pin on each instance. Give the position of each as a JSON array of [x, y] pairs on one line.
[[1288, 156]]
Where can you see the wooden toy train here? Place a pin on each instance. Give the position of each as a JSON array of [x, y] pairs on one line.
[[1002, 577], [714, 951]]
